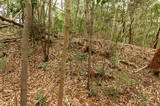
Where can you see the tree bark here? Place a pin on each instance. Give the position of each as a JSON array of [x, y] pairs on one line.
[[25, 37], [64, 53], [157, 38], [46, 40], [131, 12], [89, 28], [49, 15], [130, 32]]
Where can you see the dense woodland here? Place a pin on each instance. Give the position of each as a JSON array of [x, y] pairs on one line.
[[79, 53]]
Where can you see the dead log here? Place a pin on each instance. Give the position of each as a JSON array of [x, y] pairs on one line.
[[10, 21]]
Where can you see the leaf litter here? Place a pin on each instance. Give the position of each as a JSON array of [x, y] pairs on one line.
[[120, 87]]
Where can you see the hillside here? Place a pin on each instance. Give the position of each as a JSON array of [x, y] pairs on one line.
[[115, 82]]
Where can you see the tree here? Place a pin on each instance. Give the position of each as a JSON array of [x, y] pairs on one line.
[[157, 38], [25, 37], [46, 37], [131, 11], [89, 28], [64, 53]]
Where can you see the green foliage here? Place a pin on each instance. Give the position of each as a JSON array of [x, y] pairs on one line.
[[2, 45], [30, 51], [102, 73], [120, 38], [41, 101], [100, 82], [98, 1], [80, 56], [1, 66], [143, 104], [80, 28], [58, 25], [114, 53], [2, 63], [77, 28], [105, 1], [34, 3], [112, 93], [124, 78], [2, 55], [93, 91], [81, 70], [156, 9], [143, 98], [44, 65], [55, 40], [14, 7], [111, 90], [40, 98]]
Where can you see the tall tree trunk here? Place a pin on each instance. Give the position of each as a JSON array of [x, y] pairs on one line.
[[131, 12], [65, 50], [22, 7], [89, 28], [157, 38], [113, 31], [25, 37], [46, 42], [43, 14], [49, 15], [130, 41], [76, 15], [123, 19]]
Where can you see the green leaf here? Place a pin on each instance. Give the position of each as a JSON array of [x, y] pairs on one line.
[[98, 1]]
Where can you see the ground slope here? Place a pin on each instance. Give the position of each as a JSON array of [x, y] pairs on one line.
[[115, 82]]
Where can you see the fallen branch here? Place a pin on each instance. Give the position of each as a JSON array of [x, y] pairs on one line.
[[10, 21], [9, 40], [5, 26], [128, 63]]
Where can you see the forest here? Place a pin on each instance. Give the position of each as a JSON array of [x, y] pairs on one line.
[[79, 53]]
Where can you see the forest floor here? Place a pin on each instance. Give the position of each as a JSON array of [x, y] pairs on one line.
[[114, 82]]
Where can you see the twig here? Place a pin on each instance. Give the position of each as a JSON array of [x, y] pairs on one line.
[[142, 68]]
